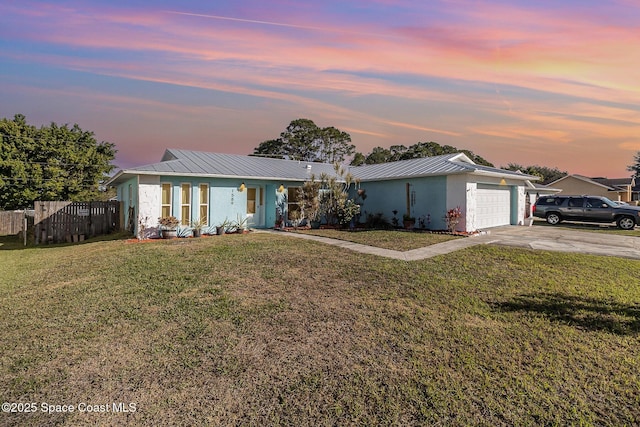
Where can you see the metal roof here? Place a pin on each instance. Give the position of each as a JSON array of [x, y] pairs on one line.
[[201, 163], [446, 164], [437, 165]]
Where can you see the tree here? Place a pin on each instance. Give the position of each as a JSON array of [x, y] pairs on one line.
[[358, 159], [304, 140], [271, 148], [335, 145], [50, 163], [545, 174], [416, 151], [300, 140], [378, 155], [635, 167]]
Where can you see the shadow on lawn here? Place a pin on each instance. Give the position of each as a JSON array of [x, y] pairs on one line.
[[17, 243], [582, 312]]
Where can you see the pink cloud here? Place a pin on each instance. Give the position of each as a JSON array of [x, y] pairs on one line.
[[517, 56], [302, 60]]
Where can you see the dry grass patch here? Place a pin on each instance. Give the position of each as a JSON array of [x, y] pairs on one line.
[[265, 330], [398, 240]]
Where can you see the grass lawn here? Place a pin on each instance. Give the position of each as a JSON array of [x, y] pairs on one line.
[[387, 239], [263, 329]]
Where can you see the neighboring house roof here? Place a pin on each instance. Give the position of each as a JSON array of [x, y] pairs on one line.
[[614, 184], [198, 163], [540, 188], [581, 178]]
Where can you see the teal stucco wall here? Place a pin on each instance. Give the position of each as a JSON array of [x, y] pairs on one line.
[[226, 201], [427, 199]]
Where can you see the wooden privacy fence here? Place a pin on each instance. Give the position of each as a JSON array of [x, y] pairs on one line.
[[57, 222], [11, 222]]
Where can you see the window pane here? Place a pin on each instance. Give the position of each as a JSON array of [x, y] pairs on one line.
[[203, 214], [166, 211], [166, 194], [185, 215], [576, 203], [204, 194], [186, 194], [293, 194], [251, 200]]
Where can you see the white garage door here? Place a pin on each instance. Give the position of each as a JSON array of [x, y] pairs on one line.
[[493, 206]]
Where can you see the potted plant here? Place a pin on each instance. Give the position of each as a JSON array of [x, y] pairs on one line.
[[241, 224], [168, 225], [222, 228], [198, 224], [408, 221]]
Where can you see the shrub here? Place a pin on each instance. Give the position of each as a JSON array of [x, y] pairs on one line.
[[452, 218]]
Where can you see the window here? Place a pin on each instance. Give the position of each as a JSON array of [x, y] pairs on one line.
[[251, 200], [292, 202], [166, 200], [204, 203], [545, 201], [596, 203], [575, 203], [185, 204], [130, 195]]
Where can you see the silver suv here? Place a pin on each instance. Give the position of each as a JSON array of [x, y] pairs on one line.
[[556, 209]]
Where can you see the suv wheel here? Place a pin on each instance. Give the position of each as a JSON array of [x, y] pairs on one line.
[[626, 223], [553, 218]]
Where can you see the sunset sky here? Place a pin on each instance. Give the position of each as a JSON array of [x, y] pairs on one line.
[[554, 83]]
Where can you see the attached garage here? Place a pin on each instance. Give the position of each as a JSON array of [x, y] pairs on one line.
[[493, 206]]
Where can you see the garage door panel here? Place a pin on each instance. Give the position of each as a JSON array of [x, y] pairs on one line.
[[493, 207]]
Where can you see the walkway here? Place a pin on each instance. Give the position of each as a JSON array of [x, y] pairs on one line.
[[543, 238]]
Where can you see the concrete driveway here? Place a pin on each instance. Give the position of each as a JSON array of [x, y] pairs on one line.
[[565, 240], [541, 237]]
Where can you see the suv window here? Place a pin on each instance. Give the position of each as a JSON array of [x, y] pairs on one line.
[[543, 201], [576, 202], [596, 203]]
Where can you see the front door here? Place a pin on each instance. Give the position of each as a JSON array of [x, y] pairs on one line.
[[255, 207]]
